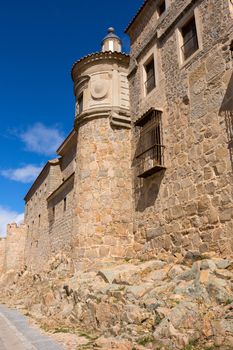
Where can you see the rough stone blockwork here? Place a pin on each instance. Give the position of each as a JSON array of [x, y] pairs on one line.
[[188, 205], [148, 167]]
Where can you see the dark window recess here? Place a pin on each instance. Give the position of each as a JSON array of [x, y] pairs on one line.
[[80, 104], [231, 49], [150, 150], [190, 40], [150, 76], [53, 212], [39, 220], [161, 7], [64, 204]]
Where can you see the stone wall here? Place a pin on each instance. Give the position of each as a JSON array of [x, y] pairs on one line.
[[2, 254], [60, 216], [38, 246], [15, 247], [103, 205], [189, 205]]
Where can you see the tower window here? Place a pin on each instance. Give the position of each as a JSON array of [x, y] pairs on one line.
[[150, 150], [64, 204], [39, 220], [150, 75], [161, 7], [190, 40], [80, 104]]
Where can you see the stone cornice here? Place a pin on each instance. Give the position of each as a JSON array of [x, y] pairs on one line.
[[98, 57], [70, 140], [118, 116]]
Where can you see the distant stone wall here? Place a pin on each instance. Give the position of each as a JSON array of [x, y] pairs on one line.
[[2, 254], [189, 205], [38, 246], [15, 247]]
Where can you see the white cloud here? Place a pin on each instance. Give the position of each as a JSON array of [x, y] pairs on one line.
[[25, 174], [42, 139], [8, 216]]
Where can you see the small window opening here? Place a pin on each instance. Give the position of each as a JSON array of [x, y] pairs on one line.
[[64, 204], [231, 48], [80, 104], [190, 40], [150, 76], [161, 7], [39, 220], [53, 212]]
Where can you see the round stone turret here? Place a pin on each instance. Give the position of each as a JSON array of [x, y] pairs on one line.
[[103, 223], [111, 42]]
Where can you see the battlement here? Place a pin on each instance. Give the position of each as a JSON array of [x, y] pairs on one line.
[[12, 248]]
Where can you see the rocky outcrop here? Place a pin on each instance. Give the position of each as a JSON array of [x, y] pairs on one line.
[[170, 303]]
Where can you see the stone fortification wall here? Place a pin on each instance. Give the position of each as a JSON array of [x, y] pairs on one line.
[[2, 254], [103, 190], [15, 247], [189, 205], [103, 223], [38, 243], [68, 162], [60, 216]]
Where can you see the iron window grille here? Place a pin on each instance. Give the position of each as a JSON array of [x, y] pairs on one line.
[[190, 40], [150, 150], [150, 76]]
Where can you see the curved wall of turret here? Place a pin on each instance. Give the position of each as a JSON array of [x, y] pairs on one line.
[[103, 204]]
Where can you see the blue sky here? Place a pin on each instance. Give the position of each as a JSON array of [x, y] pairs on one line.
[[39, 42]]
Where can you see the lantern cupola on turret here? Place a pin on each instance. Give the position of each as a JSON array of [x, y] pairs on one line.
[[111, 42]]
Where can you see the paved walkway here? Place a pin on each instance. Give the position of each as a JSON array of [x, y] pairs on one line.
[[17, 334]]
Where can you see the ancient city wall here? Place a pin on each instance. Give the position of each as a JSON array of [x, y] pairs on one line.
[[188, 205], [103, 222], [2, 254], [15, 247], [38, 243]]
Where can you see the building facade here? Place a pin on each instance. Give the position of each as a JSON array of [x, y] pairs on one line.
[[148, 167], [181, 103]]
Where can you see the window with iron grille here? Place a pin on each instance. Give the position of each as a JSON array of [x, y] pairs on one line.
[[150, 76], [150, 150], [190, 39]]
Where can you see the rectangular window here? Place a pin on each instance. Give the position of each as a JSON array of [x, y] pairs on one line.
[[150, 150], [150, 76], [64, 204], [190, 40], [161, 7], [80, 104]]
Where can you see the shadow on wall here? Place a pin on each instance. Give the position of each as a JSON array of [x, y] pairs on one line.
[[147, 190], [226, 110]]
